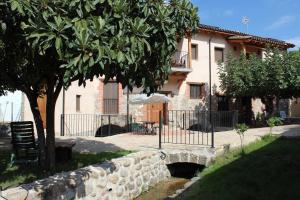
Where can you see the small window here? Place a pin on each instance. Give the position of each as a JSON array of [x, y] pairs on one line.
[[194, 51], [197, 91], [78, 103], [219, 55]]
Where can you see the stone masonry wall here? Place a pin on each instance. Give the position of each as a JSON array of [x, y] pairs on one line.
[[120, 179]]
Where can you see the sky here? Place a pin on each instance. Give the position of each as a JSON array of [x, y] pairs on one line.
[[279, 19]]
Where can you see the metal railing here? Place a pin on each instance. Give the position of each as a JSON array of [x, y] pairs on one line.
[[194, 127], [180, 59], [93, 125]]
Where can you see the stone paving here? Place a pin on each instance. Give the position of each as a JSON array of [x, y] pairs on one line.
[[149, 142]]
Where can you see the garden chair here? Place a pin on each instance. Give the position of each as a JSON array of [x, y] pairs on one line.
[[25, 149]]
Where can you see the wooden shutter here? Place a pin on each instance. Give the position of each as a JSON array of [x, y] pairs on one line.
[[219, 55], [111, 98], [203, 91]]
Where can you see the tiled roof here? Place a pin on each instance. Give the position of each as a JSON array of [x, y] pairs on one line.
[[240, 35]]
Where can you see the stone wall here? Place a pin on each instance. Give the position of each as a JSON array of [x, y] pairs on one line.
[[120, 179]]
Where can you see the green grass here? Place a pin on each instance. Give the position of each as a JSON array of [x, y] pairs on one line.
[[269, 169], [19, 174]]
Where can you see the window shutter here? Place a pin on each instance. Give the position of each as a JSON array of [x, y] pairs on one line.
[[202, 91]]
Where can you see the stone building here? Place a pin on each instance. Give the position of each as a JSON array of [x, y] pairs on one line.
[[187, 86]]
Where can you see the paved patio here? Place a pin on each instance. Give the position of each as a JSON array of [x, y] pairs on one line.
[[148, 142]]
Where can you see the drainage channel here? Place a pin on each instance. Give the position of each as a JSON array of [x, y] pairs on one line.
[[181, 173]]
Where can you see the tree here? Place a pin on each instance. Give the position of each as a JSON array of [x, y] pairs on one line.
[[272, 122], [241, 130], [272, 78], [46, 45]]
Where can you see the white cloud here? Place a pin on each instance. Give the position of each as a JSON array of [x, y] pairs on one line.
[[228, 13], [295, 41], [282, 21]]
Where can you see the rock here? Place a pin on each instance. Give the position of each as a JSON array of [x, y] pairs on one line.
[[15, 193], [124, 173], [135, 193], [146, 178], [113, 178], [139, 182], [119, 191], [184, 157], [138, 167], [174, 158], [131, 185], [127, 163], [94, 174], [101, 183], [137, 160], [122, 182], [193, 159]]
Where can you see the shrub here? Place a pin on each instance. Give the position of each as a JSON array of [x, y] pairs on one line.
[[240, 130], [272, 122]]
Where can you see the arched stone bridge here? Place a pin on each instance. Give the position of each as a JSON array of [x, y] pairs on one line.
[[201, 157]]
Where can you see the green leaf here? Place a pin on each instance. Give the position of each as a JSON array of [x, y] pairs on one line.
[[58, 46]]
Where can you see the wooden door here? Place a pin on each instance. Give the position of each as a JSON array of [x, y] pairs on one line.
[[152, 111], [42, 107]]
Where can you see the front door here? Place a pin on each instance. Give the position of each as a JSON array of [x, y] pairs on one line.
[[152, 112]]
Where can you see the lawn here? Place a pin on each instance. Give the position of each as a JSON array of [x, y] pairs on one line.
[[270, 169], [16, 175]]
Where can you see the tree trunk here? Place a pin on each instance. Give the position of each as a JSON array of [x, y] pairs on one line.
[[246, 110], [50, 129], [39, 127]]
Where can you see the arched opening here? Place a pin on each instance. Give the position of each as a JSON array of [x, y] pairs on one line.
[[185, 170]]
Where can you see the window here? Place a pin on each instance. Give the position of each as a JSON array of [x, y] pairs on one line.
[[197, 91], [194, 51], [78, 103], [219, 55], [111, 98]]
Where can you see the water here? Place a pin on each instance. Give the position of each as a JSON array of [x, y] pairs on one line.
[[164, 189]]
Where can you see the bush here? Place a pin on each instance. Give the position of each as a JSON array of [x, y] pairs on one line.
[[272, 122], [240, 130]]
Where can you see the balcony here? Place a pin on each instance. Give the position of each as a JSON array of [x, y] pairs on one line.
[[180, 63]]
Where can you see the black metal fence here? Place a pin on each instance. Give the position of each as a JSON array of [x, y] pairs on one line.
[[93, 125], [195, 127]]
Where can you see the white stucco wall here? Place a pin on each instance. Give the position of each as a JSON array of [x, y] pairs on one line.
[[88, 102]]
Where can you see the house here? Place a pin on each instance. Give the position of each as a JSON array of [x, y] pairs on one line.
[[187, 86]]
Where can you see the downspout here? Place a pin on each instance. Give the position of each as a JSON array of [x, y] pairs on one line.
[[63, 113], [210, 96], [128, 109]]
